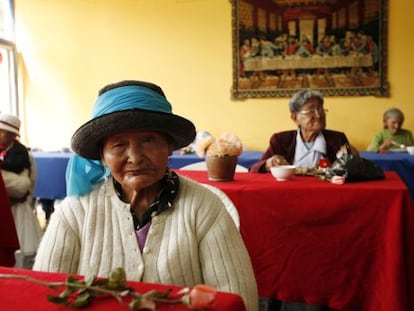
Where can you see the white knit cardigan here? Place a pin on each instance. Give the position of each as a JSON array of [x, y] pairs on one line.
[[194, 242]]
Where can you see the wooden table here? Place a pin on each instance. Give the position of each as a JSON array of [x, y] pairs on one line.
[[350, 247]]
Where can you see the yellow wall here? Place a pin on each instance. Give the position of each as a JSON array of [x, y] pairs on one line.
[[69, 49]]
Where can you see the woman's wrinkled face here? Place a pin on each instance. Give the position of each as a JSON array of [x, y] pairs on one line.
[[393, 125], [312, 116], [6, 138], [136, 159]]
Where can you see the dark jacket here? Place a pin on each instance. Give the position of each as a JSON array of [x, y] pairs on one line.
[[16, 159]]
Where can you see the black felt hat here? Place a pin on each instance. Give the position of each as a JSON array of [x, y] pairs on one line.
[[146, 108]]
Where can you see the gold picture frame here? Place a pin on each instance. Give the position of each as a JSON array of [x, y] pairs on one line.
[[336, 46]]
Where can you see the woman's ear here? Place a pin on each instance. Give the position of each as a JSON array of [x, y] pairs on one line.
[[294, 117]]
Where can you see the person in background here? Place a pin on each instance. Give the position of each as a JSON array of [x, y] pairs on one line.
[[129, 210], [244, 54], [307, 144], [392, 136], [14, 156], [19, 179], [303, 147]]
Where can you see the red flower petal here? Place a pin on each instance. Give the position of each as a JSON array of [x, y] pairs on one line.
[[202, 296]]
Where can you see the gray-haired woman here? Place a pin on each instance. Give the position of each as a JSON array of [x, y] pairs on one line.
[[392, 136]]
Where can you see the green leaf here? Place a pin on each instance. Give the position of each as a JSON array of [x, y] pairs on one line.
[[71, 279], [67, 292], [57, 300], [73, 283], [164, 294], [81, 300], [101, 282], [89, 278]]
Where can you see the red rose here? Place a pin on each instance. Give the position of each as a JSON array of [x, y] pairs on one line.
[[324, 163], [202, 296]]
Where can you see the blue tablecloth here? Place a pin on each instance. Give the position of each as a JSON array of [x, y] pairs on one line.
[[51, 167], [400, 162]]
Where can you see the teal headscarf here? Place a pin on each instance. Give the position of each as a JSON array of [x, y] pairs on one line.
[[82, 174]]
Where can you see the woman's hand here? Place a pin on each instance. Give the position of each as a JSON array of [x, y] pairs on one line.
[[386, 144], [274, 161]]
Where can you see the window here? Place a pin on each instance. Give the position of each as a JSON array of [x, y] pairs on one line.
[[8, 59]]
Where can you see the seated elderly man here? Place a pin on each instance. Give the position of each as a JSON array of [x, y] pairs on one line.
[[309, 143]]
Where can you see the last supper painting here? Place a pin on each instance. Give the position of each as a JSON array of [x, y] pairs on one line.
[[336, 46]]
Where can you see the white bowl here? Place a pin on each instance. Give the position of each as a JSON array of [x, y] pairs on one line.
[[283, 172], [410, 150]]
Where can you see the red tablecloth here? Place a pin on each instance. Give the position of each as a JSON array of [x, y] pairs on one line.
[[21, 295], [9, 241], [350, 247]]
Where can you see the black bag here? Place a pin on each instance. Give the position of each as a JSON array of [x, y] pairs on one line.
[[354, 168]]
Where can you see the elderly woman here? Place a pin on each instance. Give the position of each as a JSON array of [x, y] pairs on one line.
[[19, 175], [393, 136], [310, 142], [303, 147], [126, 208]]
